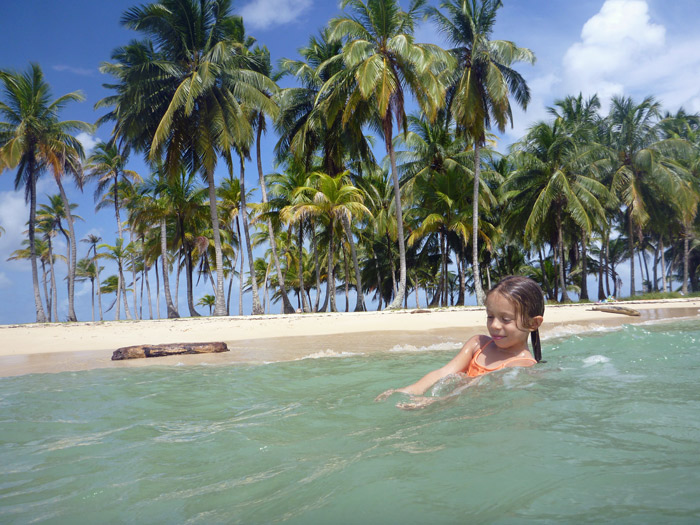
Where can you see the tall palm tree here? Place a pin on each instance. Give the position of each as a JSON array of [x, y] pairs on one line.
[[265, 67], [184, 99], [32, 139], [93, 241], [483, 83], [642, 171], [551, 185], [384, 64], [117, 253]]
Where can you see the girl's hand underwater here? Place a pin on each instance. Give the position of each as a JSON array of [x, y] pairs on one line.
[[384, 395]]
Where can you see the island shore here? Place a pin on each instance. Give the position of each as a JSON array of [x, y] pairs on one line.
[[40, 348]]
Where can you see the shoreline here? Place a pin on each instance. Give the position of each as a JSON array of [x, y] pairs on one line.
[[42, 348]]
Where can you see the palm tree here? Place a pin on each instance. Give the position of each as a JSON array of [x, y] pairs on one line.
[[184, 99], [550, 185], [32, 139], [382, 62], [265, 67], [642, 172], [118, 253], [158, 207], [93, 241], [207, 300], [336, 200], [86, 269], [50, 217], [483, 82]]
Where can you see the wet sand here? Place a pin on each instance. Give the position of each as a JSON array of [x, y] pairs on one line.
[[35, 348]]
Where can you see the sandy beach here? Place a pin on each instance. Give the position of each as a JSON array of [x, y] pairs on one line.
[[39, 348]]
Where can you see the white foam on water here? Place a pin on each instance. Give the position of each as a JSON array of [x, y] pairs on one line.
[[595, 360], [429, 348], [329, 353]]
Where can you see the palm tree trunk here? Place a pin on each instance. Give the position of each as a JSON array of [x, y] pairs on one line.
[[347, 280], [40, 314], [360, 305], [54, 289], [220, 300], [664, 284], [305, 305], [630, 241], [478, 288], [287, 307], [133, 276], [172, 311], [398, 299], [155, 268], [257, 307], [317, 268], [99, 284], [331, 277], [686, 258], [560, 248], [462, 279], [45, 278], [240, 273], [189, 270], [394, 287], [584, 267], [73, 252]]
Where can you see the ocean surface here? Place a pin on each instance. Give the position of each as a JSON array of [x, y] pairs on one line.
[[607, 430]]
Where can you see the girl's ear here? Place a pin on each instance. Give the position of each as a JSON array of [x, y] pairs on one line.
[[536, 322]]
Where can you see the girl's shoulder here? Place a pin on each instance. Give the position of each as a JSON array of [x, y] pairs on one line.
[[476, 342]]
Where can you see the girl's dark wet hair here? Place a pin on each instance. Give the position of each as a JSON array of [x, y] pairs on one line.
[[528, 300]]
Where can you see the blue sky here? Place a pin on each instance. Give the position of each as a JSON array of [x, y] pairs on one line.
[[634, 47]]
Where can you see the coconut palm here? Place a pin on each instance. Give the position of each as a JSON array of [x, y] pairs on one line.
[[184, 99], [119, 254], [93, 241], [483, 83], [551, 185], [336, 200], [383, 65], [208, 301], [642, 171], [32, 139]]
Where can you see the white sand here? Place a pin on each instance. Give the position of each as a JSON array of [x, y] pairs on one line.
[[67, 346]]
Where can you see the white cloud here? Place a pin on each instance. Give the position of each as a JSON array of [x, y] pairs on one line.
[[87, 140], [75, 70], [14, 213], [615, 43], [261, 14]]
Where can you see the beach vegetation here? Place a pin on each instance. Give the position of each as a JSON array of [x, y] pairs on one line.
[[389, 185]]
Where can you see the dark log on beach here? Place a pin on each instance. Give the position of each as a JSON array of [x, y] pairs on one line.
[[616, 310], [139, 351]]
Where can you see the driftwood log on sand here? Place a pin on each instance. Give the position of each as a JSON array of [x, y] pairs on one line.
[[616, 310], [139, 351]]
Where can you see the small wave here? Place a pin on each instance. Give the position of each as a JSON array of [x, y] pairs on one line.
[[436, 346], [577, 329], [596, 360], [329, 353]]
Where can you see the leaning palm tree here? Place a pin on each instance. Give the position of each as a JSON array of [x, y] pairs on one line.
[[383, 65], [482, 85], [183, 96], [32, 139]]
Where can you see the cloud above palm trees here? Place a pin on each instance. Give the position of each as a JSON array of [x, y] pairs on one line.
[[261, 14]]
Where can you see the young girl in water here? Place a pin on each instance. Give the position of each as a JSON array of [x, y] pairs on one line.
[[514, 311]]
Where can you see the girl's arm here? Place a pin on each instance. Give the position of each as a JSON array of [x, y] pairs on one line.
[[457, 364]]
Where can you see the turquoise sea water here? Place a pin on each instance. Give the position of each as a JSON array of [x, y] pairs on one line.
[[606, 431]]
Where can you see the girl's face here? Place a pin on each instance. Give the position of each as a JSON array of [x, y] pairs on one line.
[[503, 324]]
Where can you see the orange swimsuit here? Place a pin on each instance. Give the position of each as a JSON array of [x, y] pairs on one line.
[[475, 369]]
